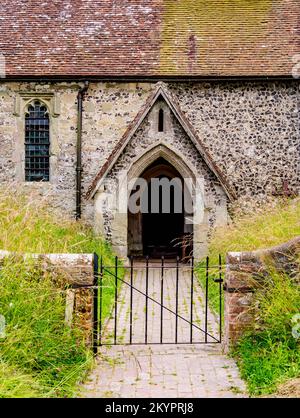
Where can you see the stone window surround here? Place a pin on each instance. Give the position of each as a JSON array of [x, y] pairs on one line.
[[22, 101], [160, 105], [161, 120]]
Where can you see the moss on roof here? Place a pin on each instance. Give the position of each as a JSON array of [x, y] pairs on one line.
[[149, 37], [191, 28]]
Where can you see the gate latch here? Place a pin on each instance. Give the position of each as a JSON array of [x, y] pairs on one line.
[[218, 280]]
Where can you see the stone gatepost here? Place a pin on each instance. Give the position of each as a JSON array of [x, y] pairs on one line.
[[238, 296], [245, 271], [76, 273]]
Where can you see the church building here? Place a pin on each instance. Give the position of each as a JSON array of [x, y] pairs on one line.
[[100, 98]]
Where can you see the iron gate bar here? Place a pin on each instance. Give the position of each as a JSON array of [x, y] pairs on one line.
[[171, 266], [164, 307], [146, 307], [176, 308], [116, 298], [165, 343], [95, 302], [192, 294], [101, 296], [161, 299], [131, 301], [206, 297], [220, 296]]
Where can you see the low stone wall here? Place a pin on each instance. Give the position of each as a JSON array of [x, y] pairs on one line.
[[77, 274], [244, 272]]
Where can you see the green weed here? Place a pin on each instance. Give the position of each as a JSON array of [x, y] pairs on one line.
[[39, 356], [268, 354]]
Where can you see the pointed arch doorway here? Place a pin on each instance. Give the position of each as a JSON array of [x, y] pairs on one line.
[[160, 228]]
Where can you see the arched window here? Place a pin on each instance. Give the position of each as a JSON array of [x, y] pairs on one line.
[[161, 120], [37, 143]]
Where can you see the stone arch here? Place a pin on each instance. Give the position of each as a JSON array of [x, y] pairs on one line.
[[33, 100], [161, 150], [158, 160], [195, 186]]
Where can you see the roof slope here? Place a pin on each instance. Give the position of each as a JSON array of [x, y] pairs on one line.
[[149, 37]]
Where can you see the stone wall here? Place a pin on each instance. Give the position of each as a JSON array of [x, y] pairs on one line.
[[244, 272], [60, 100], [177, 145], [250, 128], [77, 272]]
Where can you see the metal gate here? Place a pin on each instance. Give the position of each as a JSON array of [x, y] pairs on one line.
[[158, 302]]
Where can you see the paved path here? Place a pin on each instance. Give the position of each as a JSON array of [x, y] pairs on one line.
[[167, 370]]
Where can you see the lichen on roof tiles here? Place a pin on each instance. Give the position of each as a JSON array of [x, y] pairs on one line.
[[149, 37], [208, 30]]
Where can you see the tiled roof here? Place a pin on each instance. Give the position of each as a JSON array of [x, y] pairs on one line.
[[140, 38]]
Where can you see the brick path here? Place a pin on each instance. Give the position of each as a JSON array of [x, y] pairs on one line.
[[181, 370]]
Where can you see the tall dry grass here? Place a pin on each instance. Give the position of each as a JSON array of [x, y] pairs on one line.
[[39, 356], [269, 354], [28, 223], [271, 225]]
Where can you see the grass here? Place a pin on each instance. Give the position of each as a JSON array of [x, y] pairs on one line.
[[269, 354], [27, 227], [50, 357], [213, 291], [268, 226], [39, 356]]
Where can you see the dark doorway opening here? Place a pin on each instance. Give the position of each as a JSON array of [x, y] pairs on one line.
[[160, 230], [162, 234], [163, 227]]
